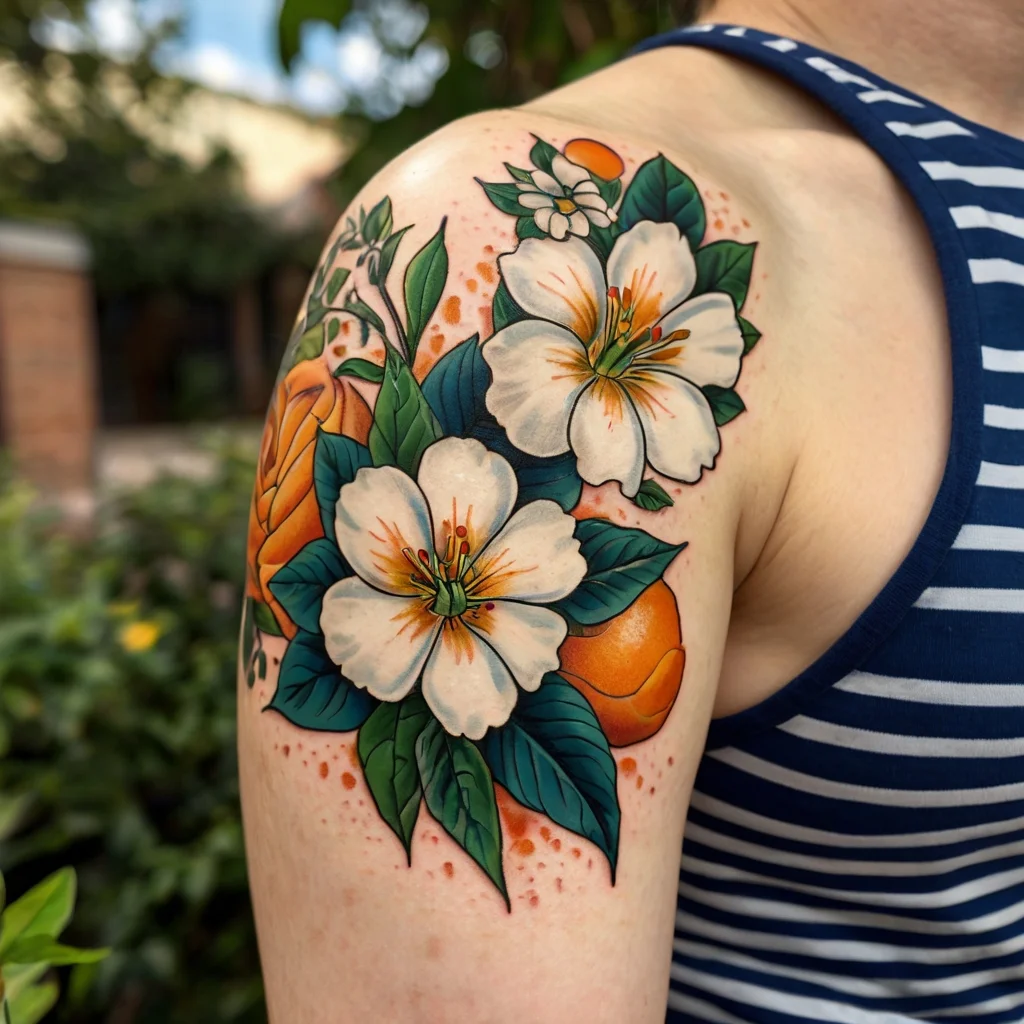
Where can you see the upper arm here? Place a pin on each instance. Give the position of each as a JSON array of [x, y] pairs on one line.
[[490, 531]]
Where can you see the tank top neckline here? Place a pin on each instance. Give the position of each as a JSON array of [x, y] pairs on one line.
[[886, 117]]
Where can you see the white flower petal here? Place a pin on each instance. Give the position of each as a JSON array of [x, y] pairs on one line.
[[655, 262], [380, 641], [561, 283], [586, 187], [466, 685], [578, 224], [591, 202], [679, 427], [378, 514], [567, 172], [542, 218], [598, 218], [526, 637], [559, 225], [712, 353], [538, 369], [605, 434], [535, 558], [466, 487], [535, 200], [546, 183]]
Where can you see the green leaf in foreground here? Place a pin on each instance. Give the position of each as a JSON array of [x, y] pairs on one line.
[[661, 192], [459, 793], [404, 425], [425, 278], [336, 460], [751, 335], [387, 751], [301, 584], [361, 369], [725, 403], [264, 619], [652, 497], [725, 266], [504, 195]]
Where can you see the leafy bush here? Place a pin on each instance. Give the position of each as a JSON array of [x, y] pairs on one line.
[[117, 750]]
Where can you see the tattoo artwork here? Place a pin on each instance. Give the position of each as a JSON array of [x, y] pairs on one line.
[[421, 539]]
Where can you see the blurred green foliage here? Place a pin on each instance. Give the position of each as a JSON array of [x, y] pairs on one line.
[[117, 748], [500, 53]]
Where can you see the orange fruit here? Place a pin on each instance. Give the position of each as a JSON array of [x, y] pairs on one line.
[[631, 667], [596, 157]]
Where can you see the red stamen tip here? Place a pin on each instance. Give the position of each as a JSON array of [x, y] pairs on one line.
[[460, 531], [423, 556], [627, 298], [464, 548], [656, 334], [613, 292], [489, 606]]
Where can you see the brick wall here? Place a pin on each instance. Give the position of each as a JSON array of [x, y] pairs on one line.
[[48, 397]]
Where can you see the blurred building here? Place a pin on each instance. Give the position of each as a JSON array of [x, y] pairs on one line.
[[81, 374]]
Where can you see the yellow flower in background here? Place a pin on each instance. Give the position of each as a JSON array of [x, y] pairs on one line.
[[140, 636]]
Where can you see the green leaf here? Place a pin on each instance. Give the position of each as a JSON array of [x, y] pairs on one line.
[[313, 694], [652, 497], [504, 195], [368, 314], [725, 403], [311, 344], [378, 222], [725, 266], [459, 793], [425, 279], [526, 227], [33, 1003], [387, 751], [37, 949], [44, 910], [553, 757], [602, 240], [301, 584], [18, 977], [504, 309], [336, 460], [456, 387], [661, 192], [519, 174], [387, 255], [337, 282], [542, 154], [361, 369], [295, 13], [264, 619], [333, 327], [610, 191], [751, 335], [403, 424], [621, 564]]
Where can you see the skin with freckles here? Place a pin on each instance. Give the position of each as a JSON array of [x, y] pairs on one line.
[[412, 866]]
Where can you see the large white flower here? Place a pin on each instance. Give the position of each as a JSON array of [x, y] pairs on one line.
[[567, 201], [612, 368], [450, 585]]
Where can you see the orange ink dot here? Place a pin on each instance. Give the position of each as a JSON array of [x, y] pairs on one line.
[[286, 750], [433, 839], [719, 223], [558, 885], [348, 780], [534, 900], [639, 782], [436, 343], [452, 309], [488, 248], [652, 791], [545, 833], [556, 844], [523, 846], [541, 865], [724, 195], [346, 326], [323, 769], [627, 765], [671, 761], [746, 223], [596, 158], [486, 271], [339, 350], [449, 869], [577, 852], [471, 285]]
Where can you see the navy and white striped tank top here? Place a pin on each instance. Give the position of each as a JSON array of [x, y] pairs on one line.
[[855, 846]]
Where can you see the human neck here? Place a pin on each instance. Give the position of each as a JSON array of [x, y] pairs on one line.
[[964, 55]]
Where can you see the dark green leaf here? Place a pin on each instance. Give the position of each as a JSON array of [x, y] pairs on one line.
[[295, 13], [725, 266], [519, 174], [301, 584], [542, 154], [403, 424], [316, 313], [504, 309], [367, 314], [362, 369], [425, 279], [526, 227], [504, 195], [751, 335], [609, 190], [36, 949], [313, 694], [459, 793], [333, 327], [387, 750], [621, 564], [602, 240], [724, 402], [336, 460], [337, 282], [661, 192], [378, 222], [456, 386], [387, 255], [264, 619], [553, 757], [652, 497], [311, 344]]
